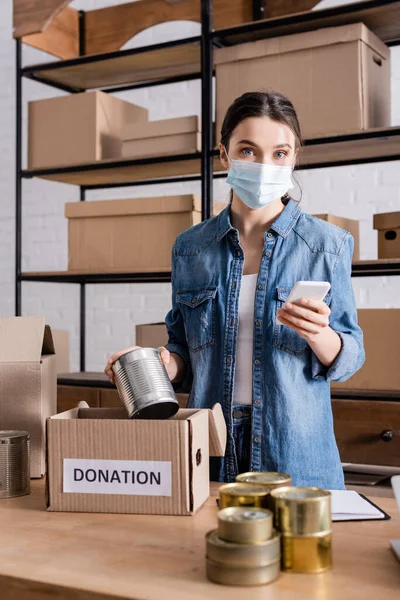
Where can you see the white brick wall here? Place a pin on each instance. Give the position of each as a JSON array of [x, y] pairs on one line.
[[113, 310]]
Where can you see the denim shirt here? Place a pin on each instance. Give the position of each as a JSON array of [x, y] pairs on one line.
[[292, 423]]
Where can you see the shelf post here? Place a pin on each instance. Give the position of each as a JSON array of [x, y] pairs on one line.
[[206, 110], [18, 178], [82, 309]]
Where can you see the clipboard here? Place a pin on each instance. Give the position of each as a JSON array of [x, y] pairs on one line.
[[385, 516]]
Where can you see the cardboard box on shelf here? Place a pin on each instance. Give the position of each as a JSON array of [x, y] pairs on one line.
[[76, 129], [153, 335], [157, 138], [129, 235], [61, 347], [350, 225], [382, 347], [313, 69], [28, 381], [388, 226], [100, 461]]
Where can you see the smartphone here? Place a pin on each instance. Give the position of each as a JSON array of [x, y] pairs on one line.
[[316, 290]]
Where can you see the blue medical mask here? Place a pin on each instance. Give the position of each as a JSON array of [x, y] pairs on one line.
[[258, 184]]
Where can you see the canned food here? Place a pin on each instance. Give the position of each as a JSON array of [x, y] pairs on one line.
[[242, 555], [144, 386], [243, 494], [269, 479], [307, 553], [225, 575], [301, 510], [14, 464], [244, 525]]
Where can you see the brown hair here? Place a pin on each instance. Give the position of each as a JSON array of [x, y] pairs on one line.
[[274, 105]]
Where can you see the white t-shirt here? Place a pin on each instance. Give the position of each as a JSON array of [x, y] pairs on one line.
[[243, 385]]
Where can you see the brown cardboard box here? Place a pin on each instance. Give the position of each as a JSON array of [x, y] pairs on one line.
[[129, 235], [28, 381], [61, 347], [151, 336], [349, 225], [388, 226], [315, 70], [155, 138], [147, 467], [76, 129], [382, 346]]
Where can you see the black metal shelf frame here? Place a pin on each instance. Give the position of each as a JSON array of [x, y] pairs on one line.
[[207, 41]]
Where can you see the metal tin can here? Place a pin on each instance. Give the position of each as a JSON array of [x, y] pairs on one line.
[[144, 386], [242, 555], [307, 553], [243, 494], [244, 525], [225, 575], [301, 511], [14, 464], [270, 479]]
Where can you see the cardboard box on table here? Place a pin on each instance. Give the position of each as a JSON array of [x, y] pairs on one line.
[[101, 461], [28, 381], [338, 78], [129, 235], [77, 129], [388, 226]]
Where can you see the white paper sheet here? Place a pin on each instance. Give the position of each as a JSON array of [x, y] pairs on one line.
[[350, 506]]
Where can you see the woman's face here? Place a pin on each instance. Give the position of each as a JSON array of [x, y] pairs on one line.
[[261, 140]]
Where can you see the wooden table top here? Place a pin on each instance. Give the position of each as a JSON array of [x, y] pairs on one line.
[[103, 557]]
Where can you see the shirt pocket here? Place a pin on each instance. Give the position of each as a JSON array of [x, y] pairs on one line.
[[284, 338], [198, 307]]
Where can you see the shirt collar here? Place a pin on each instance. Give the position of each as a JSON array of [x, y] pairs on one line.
[[283, 224]]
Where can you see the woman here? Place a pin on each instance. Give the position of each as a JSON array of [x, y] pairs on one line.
[[231, 340]]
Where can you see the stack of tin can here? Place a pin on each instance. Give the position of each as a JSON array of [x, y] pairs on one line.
[[245, 549], [303, 517]]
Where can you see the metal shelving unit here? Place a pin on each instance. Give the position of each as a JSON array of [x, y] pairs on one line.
[[120, 71]]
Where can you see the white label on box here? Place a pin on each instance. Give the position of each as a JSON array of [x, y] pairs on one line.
[[129, 477]]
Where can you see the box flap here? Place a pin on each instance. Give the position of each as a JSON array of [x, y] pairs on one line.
[[22, 339], [387, 220], [217, 431], [136, 206], [151, 129], [302, 41]]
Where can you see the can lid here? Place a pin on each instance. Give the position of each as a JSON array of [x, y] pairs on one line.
[[242, 514], [13, 436], [300, 494], [243, 489], [263, 477]]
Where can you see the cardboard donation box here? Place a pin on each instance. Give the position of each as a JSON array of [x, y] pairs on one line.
[[129, 235], [101, 461], [151, 336], [314, 69], [76, 129], [350, 225], [155, 138], [28, 381], [388, 226], [382, 347]]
